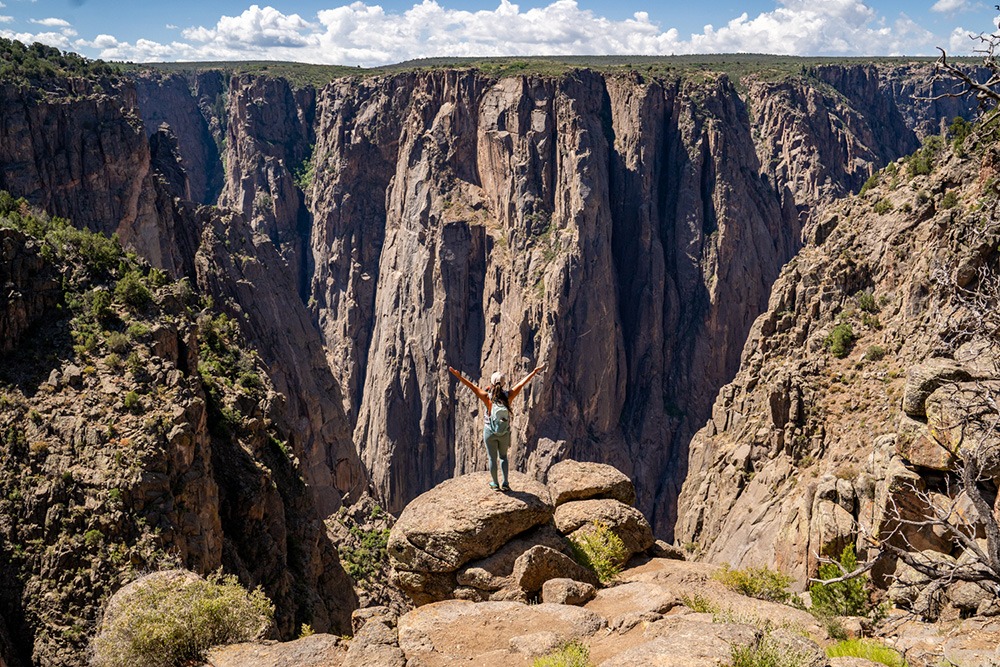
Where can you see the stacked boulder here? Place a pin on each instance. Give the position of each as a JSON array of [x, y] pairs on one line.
[[948, 418], [463, 540]]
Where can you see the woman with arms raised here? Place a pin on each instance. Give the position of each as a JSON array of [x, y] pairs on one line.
[[496, 430]]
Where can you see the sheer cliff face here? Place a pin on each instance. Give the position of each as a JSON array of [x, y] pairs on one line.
[[85, 157], [624, 232], [194, 108]]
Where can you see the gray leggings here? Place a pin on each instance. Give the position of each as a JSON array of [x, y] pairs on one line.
[[496, 448]]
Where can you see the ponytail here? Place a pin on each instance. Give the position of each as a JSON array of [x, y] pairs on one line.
[[498, 395]]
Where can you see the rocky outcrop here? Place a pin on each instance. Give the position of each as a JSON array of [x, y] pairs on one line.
[[249, 279], [858, 387], [86, 158], [464, 540], [29, 287], [926, 99], [320, 650], [820, 142]]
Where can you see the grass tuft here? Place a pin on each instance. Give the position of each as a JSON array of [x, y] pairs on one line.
[[867, 649]]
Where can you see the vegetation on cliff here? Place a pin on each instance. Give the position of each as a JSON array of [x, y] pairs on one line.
[[42, 65], [172, 620], [128, 407]]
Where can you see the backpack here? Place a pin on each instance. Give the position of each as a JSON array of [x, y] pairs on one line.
[[500, 418]]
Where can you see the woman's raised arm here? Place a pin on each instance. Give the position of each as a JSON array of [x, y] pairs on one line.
[[516, 389], [476, 390]]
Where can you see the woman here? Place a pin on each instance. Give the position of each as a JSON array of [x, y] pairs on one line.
[[496, 431]]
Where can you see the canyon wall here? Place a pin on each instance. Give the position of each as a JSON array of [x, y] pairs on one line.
[[100, 489], [623, 230]]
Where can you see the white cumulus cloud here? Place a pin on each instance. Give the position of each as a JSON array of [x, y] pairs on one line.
[[61, 39], [950, 6], [257, 28], [367, 34], [52, 22]]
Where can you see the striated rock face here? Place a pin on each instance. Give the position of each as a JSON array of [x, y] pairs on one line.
[[512, 211], [249, 278], [625, 231], [563, 221], [925, 101], [86, 158], [269, 137], [194, 109], [817, 144]]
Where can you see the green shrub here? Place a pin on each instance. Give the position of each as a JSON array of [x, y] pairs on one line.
[[959, 130], [840, 340], [869, 184], [871, 321], [137, 330], [99, 301], [756, 582], [950, 200], [866, 302], [875, 353], [169, 622], [367, 559], [883, 206], [570, 654], [117, 342], [921, 163], [765, 652], [867, 649], [132, 402], [842, 598], [600, 549], [834, 628], [132, 291], [699, 603]]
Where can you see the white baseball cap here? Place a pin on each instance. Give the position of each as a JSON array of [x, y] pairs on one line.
[[497, 378]]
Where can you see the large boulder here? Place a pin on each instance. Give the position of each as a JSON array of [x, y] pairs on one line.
[[916, 445], [923, 379], [576, 480], [462, 519], [494, 572], [463, 540], [901, 502], [567, 591], [626, 522], [539, 564], [961, 416]]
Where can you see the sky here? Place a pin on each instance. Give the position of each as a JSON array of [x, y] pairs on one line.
[[373, 32]]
